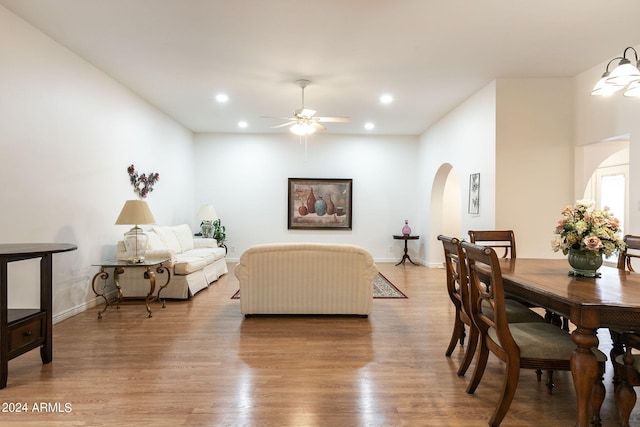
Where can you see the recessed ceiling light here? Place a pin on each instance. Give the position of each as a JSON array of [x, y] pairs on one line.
[[369, 125], [386, 99], [222, 97], [242, 124]]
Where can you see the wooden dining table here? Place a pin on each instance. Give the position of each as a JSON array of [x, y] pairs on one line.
[[613, 299]]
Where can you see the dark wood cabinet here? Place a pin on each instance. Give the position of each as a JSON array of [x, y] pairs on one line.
[[22, 330]]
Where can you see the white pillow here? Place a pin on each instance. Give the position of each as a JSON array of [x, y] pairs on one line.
[[169, 238], [184, 236], [155, 242]]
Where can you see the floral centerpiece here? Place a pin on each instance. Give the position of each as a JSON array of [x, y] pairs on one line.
[[589, 233]]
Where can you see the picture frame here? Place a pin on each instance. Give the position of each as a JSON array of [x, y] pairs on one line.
[[320, 204], [474, 194]]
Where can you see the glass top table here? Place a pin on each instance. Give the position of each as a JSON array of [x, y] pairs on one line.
[[149, 266]]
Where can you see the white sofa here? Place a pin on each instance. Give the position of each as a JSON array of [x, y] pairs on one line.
[[194, 263], [306, 278]]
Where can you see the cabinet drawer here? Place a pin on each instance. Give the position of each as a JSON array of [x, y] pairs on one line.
[[25, 333]]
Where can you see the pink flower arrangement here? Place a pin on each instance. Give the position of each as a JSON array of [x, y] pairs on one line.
[[584, 228]]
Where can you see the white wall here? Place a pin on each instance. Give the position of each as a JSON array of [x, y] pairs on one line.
[[245, 178], [68, 133], [534, 159], [464, 138]]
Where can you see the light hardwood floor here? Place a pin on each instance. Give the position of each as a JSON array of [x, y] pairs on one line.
[[200, 363]]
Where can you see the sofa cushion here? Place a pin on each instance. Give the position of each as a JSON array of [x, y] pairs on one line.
[[184, 236], [169, 238], [189, 262], [155, 242], [216, 252]]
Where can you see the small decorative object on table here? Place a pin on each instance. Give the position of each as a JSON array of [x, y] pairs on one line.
[[406, 230], [586, 234]]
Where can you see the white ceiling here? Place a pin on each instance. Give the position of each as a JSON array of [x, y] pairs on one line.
[[430, 54]]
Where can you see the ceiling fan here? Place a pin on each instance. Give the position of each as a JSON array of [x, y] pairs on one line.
[[304, 122]]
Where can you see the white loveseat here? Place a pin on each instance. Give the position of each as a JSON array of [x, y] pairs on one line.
[[306, 278], [194, 263]]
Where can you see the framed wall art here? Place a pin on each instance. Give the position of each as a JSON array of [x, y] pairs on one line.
[[320, 204], [474, 193]]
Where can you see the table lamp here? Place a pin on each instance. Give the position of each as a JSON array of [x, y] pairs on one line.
[[135, 212], [206, 215]]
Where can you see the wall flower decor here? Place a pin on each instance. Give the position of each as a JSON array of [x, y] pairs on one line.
[[142, 184]]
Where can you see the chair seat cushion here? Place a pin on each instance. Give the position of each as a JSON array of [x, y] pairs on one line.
[[543, 341], [516, 312]]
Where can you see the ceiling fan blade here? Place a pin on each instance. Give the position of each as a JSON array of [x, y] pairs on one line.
[[283, 125], [318, 126], [333, 119], [279, 118]]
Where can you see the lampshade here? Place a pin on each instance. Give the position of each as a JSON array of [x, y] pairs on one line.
[[624, 73], [633, 90], [206, 213], [602, 88], [135, 212]]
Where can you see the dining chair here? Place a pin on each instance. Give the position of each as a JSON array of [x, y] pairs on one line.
[[504, 242], [625, 262], [537, 345], [627, 366], [500, 240], [458, 290], [631, 251]]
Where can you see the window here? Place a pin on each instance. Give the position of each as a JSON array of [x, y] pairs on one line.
[[611, 190]]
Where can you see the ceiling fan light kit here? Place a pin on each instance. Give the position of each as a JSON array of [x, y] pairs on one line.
[[302, 129], [625, 75]]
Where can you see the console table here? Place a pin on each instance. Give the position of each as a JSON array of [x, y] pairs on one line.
[[23, 330], [406, 249], [119, 267]]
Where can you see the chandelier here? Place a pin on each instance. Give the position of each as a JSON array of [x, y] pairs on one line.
[[624, 76]]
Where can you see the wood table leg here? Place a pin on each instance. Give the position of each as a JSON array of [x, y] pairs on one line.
[[46, 305], [406, 255], [584, 369], [4, 330]]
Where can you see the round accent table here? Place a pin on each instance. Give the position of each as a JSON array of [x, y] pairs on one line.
[[406, 250]]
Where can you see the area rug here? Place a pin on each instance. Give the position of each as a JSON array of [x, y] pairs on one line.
[[382, 288]]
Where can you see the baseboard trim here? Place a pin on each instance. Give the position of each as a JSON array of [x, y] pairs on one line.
[[73, 311]]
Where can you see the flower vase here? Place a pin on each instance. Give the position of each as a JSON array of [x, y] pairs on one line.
[[406, 230], [311, 202], [320, 206], [584, 262]]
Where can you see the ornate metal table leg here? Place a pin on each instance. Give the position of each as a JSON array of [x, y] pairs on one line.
[[104, 276], [116, 281], [160, 270], [151, 276]]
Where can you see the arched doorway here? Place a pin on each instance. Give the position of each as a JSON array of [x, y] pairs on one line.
[[446, 210], [608, 183]]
